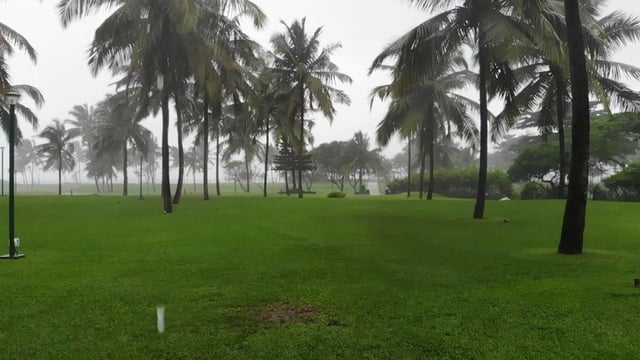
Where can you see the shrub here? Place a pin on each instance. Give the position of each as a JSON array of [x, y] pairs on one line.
[[336, 195], [600, 193], [459, 183], [626, 184], [533, 191]]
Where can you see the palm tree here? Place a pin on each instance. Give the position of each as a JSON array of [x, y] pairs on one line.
[[489, 25], [21, 110], [193, 162], [429, 106], [9, 40], [572, 237], [300, 61], [242, 137], [117, 129], [27, 155], [160, 42], [364, 159], [544, 72], [58, 150]]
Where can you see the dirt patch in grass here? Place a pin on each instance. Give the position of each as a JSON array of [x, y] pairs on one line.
[[286, 314]]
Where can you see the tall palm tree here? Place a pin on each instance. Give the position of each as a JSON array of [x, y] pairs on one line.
[[572, 237], [58, 150], [300, 61], [160, 40], [193, 162], [364, 158], [544, 72], [242, 137]]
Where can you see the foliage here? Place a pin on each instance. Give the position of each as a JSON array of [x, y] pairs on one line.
[[534, 191], [460, 183], [336, 195], [538, 163], [626, 184]]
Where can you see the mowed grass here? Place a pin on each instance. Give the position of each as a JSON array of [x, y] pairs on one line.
[[389, 279]]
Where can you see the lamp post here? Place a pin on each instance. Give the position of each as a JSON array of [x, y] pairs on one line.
[[12, 99]]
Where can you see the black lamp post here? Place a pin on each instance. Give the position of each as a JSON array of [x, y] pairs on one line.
[[12, 99]]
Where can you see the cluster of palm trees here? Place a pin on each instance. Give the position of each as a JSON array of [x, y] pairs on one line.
[[527, 56], [194, 53]]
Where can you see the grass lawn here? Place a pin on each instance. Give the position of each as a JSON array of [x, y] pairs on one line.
[[355, 278]]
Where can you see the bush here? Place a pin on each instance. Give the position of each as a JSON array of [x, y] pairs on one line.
[[533, 191], [336, 195], [600, 193], [459, 183], [625, 185]]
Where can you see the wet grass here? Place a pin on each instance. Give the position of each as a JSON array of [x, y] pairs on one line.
[[354, 278]]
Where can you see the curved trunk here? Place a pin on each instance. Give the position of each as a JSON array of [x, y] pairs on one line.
[[301, 155], [125, 175], [484, 136], [218, 161], [572, 238], [561, 135], [205, 162], [178, 195], [409, 168], [266, 160]]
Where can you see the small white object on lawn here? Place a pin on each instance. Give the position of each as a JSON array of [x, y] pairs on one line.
[[505, 199], [16, 242], [160, 313]]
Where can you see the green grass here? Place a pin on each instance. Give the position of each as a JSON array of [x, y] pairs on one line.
[[400, 280]]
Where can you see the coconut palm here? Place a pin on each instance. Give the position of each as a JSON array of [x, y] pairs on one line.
[[364, 158], [117, 129], [430, 107], [242, 137], [160, 42], [9, 41], [300, 61], [544, 72], [489, 26], [193, 162], [26, 156], [58, 150]]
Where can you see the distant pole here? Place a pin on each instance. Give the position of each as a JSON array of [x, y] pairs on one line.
[[12, 98]]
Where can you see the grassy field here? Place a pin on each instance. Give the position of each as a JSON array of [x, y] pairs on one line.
[[355, 278]]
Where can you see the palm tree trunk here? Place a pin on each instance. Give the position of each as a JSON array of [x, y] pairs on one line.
[[286, 182], [293, 176], [125, 175], [431, 129], [97, 185], [60, 172], [572, 238], [246, 168], [166, 185], [193, 172], [266, 160], [205, 162], [218, 161], [178, 194], [561, 135], [423, 156], [409, 168], [301, 155], [484, 135]]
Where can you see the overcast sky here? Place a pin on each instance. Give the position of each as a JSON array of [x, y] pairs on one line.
[[363, 27]]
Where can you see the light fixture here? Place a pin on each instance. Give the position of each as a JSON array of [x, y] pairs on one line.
[[12, 97]]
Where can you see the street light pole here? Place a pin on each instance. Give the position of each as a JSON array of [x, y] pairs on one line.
[[12, 98]]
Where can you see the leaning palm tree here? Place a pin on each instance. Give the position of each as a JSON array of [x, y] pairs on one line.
[[58, 150], [300, 61]]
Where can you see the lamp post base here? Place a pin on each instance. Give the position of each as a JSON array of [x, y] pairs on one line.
[[14, 257]]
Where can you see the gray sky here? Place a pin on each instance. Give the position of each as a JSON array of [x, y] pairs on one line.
[[363, 27]]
